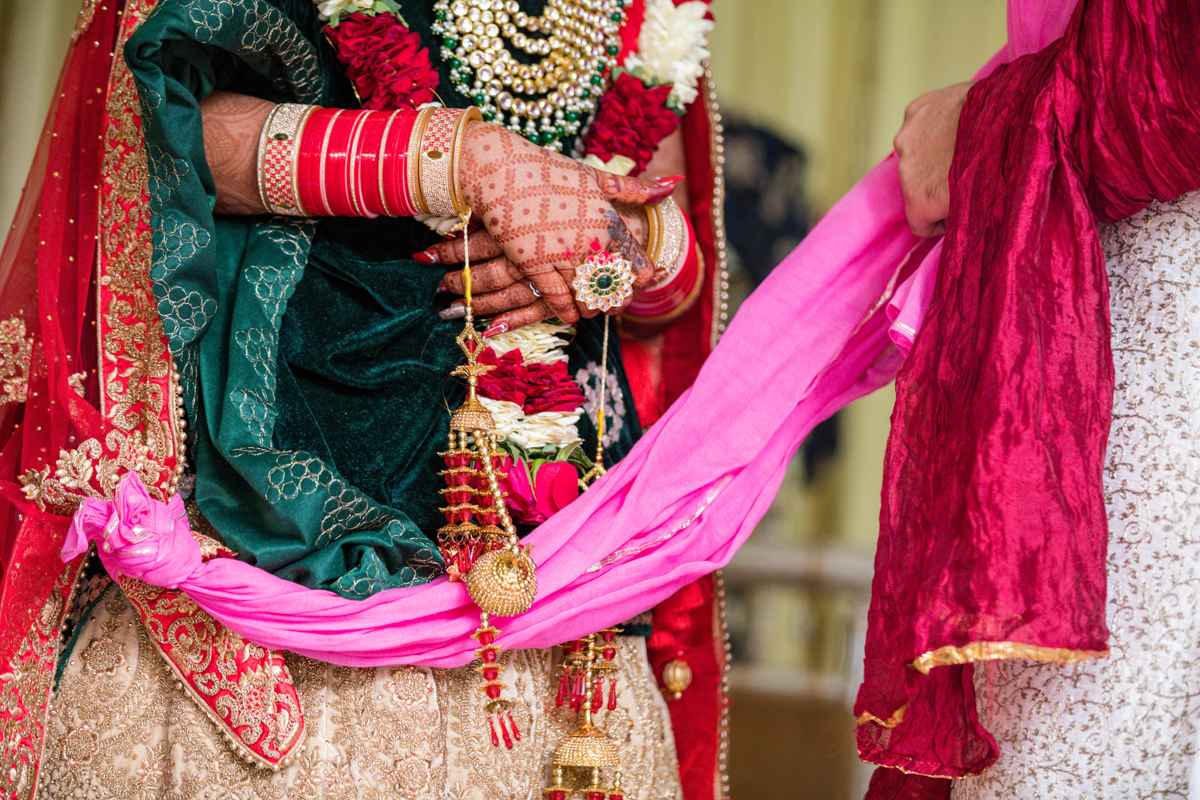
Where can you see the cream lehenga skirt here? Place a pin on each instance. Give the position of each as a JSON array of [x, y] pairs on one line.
[[121, 729]]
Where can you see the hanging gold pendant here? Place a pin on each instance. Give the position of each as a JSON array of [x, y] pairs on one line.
[[478, 541]]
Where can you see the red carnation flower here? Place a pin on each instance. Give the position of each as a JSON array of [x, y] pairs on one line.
[[385, 61], [553, 389], [535, 387], [631, 120]]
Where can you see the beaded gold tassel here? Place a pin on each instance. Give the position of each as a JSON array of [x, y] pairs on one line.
[[586, 664], [479, 542]]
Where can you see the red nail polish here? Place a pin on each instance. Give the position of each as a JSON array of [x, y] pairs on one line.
[[668, 180], [426, 257], [495, 330], [441, 287]]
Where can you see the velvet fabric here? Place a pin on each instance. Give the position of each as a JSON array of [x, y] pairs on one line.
[[994, 534], [315, 369]]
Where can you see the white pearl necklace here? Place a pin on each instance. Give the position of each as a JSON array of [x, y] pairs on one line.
[[551, 99]]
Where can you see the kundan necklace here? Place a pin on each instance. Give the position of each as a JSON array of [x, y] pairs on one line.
[[549, 100]]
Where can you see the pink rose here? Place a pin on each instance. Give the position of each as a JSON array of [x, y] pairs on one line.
[[555, 486]]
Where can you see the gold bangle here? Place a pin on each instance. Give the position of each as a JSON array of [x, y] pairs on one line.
[[414, 161], [654, 222], [261, 160], [278, 150], [436, 157], [670, 251], [460, 130]]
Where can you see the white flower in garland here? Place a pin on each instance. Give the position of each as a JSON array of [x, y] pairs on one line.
[[617, 165], [541, 343], [507, 415], [332, 11], [532, 431], [558, 428], [672, 46]]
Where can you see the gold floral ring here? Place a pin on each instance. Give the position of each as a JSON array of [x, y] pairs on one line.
[[603, 281]]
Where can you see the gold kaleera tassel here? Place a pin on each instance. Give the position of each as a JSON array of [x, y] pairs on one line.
[[585, 665], [499, 574]]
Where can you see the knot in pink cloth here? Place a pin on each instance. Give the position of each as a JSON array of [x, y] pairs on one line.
[[136, 535]]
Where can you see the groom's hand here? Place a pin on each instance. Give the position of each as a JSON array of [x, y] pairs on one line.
[[924, 150]]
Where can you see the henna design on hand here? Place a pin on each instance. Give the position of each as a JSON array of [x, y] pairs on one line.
[[623, 243], [232, 123], [541, 207]]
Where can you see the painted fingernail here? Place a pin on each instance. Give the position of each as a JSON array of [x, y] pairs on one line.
[[441, 287], [426, 257], [668, 180], [455, 311], [495, 330]]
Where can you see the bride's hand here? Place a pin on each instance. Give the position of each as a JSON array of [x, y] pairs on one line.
[[546, 213], [501, 290]]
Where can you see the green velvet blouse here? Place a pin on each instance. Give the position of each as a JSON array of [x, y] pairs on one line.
[[315, 368]]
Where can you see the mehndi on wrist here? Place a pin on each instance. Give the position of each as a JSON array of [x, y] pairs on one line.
[[335, 162]]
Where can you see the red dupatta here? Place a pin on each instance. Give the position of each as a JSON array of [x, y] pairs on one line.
[[48, 336], [993, 536]]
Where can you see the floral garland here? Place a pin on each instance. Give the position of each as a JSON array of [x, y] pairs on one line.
[[651, 92], [537, 408]]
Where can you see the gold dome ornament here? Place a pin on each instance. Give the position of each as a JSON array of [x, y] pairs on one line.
[[603, 281], [677, 676], [503, 583], [581, 688], [478, 541]]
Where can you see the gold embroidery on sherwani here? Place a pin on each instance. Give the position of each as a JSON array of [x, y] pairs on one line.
[[122, 730]]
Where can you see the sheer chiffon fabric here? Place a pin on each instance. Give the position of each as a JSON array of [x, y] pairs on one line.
[[51, 402]]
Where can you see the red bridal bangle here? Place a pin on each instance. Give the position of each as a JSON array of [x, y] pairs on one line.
[[334, 162]]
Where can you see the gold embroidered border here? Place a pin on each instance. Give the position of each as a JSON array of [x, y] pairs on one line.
[[139, 383], [16, 350], [246, 690], [991, 651], [917, 772], [26, 683], [895, 719]]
